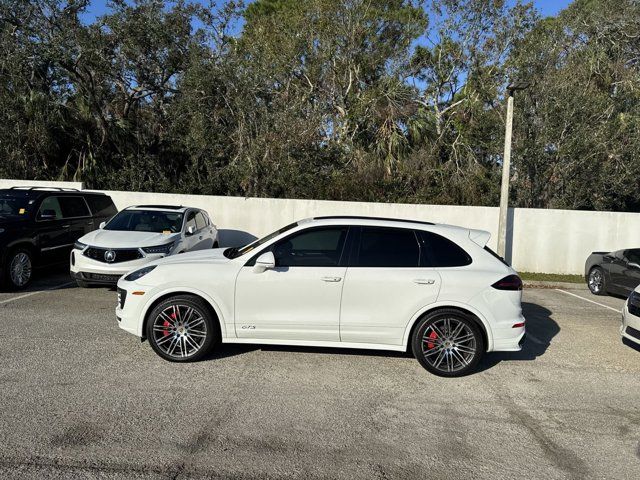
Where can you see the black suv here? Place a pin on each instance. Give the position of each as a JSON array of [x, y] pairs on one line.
[[39, 225]]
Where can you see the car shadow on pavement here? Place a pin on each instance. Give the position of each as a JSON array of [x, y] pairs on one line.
[[541, 328], [46, 278], [232, 350]]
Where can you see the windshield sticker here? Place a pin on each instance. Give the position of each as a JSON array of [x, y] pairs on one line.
[[21, 211], [166, 232]]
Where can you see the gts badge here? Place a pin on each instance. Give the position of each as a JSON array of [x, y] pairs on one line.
[[248, 327]]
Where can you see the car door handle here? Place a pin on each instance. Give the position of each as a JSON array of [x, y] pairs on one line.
[[331, 279], [90, 222], [66, 226], [424, 281]]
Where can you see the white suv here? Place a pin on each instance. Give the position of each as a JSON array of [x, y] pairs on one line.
[[334, 282], [136, 236]]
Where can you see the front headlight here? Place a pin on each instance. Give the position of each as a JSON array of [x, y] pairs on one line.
[[80, 245], [139, 273], [166, 248]]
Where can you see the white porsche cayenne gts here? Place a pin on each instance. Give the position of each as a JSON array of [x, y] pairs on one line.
[[351, 282], [136, 236]]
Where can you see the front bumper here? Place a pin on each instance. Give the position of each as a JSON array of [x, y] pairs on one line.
[[96, 278], [630, 328], [93, 271]]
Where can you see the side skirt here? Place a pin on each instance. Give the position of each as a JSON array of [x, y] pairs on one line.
[[309, 343]]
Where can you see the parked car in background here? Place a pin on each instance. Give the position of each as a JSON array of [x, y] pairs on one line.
[[334, 282], [630, 328], [616, 272], [136, 236], [39, 225]]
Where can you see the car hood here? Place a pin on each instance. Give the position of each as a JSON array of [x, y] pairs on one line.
[[120, 239], [215, 255]]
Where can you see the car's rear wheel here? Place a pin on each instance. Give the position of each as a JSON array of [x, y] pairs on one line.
[[18, 268], [448, 343], [181, 328], [596, 281]]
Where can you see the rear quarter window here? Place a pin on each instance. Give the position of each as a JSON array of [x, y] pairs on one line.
[[101, 205], [442, 252]]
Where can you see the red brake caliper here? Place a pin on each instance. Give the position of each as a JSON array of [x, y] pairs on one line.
[[167, 324], [433, 335]]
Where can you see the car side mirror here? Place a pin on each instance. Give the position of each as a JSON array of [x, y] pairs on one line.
[[47, 215], [102, 224], [633, 265], [190, 230], [264, 262]]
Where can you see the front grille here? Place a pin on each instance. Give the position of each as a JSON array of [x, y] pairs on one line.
[[122, 296], [101, 277], [118, 255], [633, 332]]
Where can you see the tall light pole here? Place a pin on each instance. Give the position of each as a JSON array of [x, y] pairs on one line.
[[506, 167]]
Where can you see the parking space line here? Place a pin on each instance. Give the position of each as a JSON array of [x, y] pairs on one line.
[[587, 300], [35, 293]]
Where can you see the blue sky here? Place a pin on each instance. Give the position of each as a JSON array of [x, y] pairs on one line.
[[545, 7]]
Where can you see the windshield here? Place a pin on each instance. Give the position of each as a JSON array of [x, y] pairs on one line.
[[14, 206], [239, 251], [146, 221]]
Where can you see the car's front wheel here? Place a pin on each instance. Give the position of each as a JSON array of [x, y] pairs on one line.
[[181, 328], [596, 281], [448, 343], [18, 268]]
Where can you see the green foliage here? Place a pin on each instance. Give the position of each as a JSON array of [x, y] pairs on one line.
[[378, 100]]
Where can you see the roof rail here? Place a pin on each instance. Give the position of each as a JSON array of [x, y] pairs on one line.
[[361, 217], [57, 189]]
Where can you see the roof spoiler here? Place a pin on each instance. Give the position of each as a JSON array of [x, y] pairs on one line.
[[481, 237]]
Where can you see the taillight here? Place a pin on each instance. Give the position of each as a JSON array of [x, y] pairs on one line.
[[511, 282]]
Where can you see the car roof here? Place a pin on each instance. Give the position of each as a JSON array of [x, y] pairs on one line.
[[160, 208], [386, 222], [37, 192]]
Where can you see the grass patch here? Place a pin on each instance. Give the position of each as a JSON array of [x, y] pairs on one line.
[[551, 277]]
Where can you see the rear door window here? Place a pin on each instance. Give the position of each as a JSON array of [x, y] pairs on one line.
[[387, 247], [442, 252], [73, 207]]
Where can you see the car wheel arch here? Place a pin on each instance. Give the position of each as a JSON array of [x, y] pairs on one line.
[[214, 309], [466, 310]]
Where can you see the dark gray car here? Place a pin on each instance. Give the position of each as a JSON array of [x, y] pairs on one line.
[[616, 272]]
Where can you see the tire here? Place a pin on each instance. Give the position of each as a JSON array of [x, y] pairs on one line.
[[18, 269], [452, 357], [173, 331], [596, 281]]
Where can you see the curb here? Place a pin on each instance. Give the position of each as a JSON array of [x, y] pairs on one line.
[[548, 284]]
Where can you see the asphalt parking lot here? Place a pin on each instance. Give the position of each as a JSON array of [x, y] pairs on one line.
[[82, 399]]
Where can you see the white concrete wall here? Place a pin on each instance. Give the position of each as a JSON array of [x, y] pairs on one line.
[[538, 240]]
